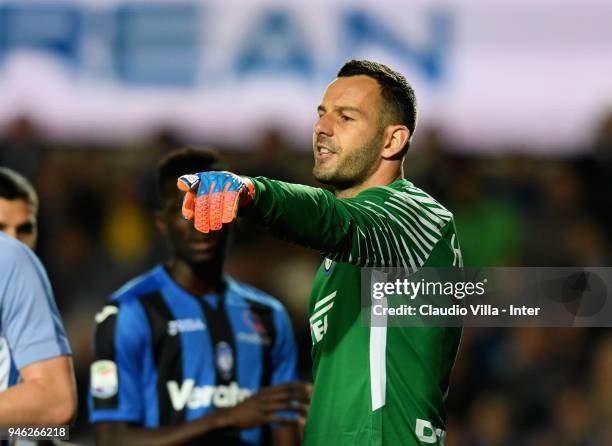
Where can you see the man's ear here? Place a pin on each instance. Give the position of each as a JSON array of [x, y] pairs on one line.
[[395, 138], [160, 222]]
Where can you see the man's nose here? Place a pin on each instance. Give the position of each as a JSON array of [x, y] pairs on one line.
[[324, 126]]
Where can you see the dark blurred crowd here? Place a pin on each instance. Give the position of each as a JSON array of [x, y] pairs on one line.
[[531, 387]]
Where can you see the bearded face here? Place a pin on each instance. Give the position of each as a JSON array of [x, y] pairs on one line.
[[351, 166], [347, 138]]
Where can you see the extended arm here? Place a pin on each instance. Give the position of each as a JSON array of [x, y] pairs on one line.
[[46, 394], [379, 227]]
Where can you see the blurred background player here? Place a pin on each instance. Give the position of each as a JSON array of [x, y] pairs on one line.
[[372, 385], [37, 384], [185, 353], [18, 207]]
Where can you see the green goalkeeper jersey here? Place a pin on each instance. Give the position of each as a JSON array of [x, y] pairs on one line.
[[372, 385]]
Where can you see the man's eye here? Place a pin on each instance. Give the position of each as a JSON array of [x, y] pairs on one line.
[[27, 228], [346, 118]]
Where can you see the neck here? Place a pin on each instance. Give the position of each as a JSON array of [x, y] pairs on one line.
[[377, 179], [198, 279]]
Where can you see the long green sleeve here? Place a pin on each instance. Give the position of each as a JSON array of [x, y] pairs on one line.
[[398, 225]]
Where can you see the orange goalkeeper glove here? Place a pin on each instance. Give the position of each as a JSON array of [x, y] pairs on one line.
[[212, 198]]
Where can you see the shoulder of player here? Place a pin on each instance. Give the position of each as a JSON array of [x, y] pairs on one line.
[[14, 256], [13, 252], [127, 299], [406, 200], [8, 246], [136, 288], [254, 296]]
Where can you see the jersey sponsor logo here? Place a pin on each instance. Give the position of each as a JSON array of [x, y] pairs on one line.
[[104, 380], [318, 321], [427, 434], [224, 359], [107, 310], [187, 394], [328, 265], [185, 325]]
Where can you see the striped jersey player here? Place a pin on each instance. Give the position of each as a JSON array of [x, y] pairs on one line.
[[165, 357], [184, 354]]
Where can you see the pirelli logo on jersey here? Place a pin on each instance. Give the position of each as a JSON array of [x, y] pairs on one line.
[[318, 321]]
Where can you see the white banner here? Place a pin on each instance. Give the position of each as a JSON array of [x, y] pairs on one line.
[[493, 75]]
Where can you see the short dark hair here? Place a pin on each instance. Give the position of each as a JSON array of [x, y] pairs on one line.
[[400, 101], [14, 186], [184, 161]]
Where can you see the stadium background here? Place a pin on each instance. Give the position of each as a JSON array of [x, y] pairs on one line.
[[515, 139]]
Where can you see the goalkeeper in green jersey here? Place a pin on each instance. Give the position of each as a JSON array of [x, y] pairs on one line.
[[372, 385]]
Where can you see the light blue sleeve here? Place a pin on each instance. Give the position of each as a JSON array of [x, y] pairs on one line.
[[29, 319]]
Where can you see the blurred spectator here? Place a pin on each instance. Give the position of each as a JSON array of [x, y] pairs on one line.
[[601, 391], [603, 137], [491, 421], [21, 147], [574, 418], [272, 157], [490, 228], [127, 230]]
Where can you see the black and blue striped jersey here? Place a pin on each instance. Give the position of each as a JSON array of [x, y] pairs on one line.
[[164, 356]]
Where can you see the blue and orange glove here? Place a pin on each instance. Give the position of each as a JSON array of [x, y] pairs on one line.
[[212, 198]]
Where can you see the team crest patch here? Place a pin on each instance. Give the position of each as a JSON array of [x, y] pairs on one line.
[[328, 265], [104, 381], [224, 359], [253, 320]]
